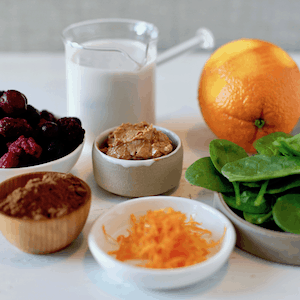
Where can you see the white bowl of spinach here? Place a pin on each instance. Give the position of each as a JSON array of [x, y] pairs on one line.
[[259, 193]]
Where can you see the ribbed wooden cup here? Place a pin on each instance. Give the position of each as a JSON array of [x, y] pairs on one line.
[[42, 236]]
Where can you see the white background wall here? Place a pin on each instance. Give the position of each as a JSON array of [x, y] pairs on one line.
[[35, 25]]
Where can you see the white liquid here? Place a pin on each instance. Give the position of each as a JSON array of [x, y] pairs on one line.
[[107, 88]]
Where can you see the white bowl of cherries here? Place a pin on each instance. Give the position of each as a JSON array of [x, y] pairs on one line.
[[34, 141]]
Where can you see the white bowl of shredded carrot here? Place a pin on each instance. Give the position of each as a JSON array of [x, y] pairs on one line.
[[161, 242]]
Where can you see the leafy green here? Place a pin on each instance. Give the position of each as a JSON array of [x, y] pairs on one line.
[[288, 146], [265, 144], [286, 213], [280, 185], [203, 173], [223, 151], [276, 185], [258, 219], [236, 187], [247, 202], [264, 189], [261, 193], [261, 167]]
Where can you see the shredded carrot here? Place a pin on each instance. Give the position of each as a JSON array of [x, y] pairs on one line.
[[164, 239]]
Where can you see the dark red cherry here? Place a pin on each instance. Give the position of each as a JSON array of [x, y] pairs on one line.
[[48, 116], [49, 130], [14, 127], [32, 115], [13, 103]]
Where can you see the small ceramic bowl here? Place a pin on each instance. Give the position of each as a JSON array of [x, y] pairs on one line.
[[63, 165], [138, 178], [42, 236], [117, 221], [275, 246]]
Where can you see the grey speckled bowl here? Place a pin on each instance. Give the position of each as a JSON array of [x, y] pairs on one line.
[[280, 247], [138, 178]]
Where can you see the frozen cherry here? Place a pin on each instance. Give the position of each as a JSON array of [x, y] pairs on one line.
[[13, 103], [9, 160], [28, 145], [53, 150], [32, 115], [29, 136], [3, 147], [14, 127], [48, 116], [49, 130], [71, 131], [22, 152], [77, 120]]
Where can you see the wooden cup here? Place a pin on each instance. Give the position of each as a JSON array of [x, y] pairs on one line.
[[41, 236]]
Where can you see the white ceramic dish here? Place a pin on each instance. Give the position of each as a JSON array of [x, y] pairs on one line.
[[116, 221], [62, 165], [138, 178], [279, 247]]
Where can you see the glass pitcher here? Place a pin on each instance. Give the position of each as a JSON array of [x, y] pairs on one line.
[[110, 66]]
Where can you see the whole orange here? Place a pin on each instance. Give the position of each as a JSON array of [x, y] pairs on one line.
[[248, 89]]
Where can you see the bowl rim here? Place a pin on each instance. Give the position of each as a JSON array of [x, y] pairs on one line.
[[105, 133], [225, 250], [87, 202], [253, 227], [58, 160]]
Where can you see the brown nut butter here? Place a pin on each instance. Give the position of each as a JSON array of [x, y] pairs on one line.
[[136, 142]]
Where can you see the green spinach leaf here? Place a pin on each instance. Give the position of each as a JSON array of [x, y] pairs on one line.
[[223, 151], [288, 146], [247, 202], [265, 144], [280, 185], [276, 185], [258, 219], [203, 173], [286, 213], [261, 167]]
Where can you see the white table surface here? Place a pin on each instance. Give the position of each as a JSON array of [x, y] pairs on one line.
[[73, 273]]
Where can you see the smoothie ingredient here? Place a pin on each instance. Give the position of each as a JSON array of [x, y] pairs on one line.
[[261, 167], [109, 81], [55, 137], [203, 173], [247, 199], [265, 144], [137, 141], [266, 186], [13, 103], [52, 196], [223, 152], [248, 89], [290, 220], [164, 239], [22, 150], [12, 128], [70, 131]]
